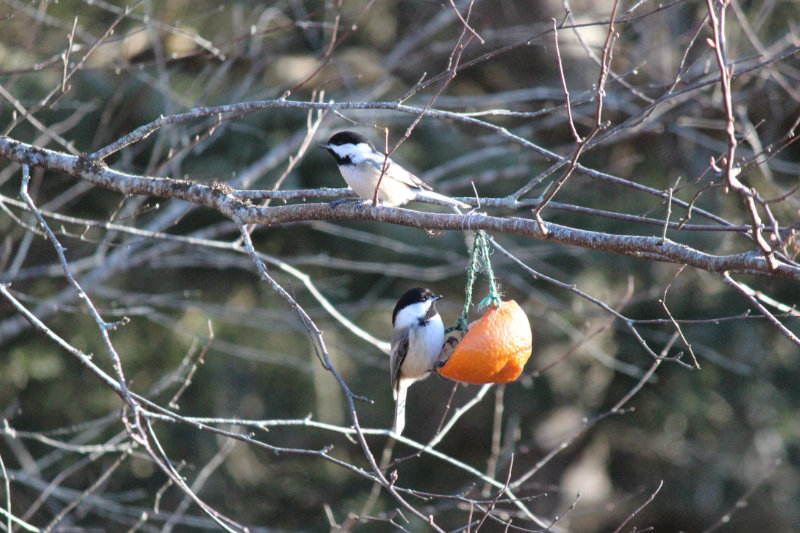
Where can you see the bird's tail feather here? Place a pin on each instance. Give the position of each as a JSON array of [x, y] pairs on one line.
[[400, 409], [436, 198]]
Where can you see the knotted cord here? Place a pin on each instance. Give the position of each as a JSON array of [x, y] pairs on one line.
[[478, 260]]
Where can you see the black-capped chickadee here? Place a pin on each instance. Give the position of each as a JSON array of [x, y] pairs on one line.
[[361, 166], [417, 339]]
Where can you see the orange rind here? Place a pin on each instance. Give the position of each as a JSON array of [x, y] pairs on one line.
[[495, 349]]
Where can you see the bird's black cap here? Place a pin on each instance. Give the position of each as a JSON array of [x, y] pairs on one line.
[[413, 296], [342, 138], [346, 137]]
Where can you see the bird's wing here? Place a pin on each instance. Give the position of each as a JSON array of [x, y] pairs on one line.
[[399, 352], [398, 173]]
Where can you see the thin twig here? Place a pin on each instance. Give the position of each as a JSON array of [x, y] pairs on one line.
[[102, 325], [583, 142], [564, 87], [464, 21], [647, 502], [751, 295], [731, 170], [678, 329]]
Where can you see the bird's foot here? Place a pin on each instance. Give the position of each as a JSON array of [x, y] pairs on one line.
[[336, 203]]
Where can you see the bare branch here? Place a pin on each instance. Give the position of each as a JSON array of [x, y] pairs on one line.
[[169, 181], [219, 199]]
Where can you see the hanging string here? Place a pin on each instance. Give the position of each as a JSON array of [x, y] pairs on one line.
[[493, 298], [472, 270], [479, 252]]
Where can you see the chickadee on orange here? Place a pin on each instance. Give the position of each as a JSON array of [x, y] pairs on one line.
[[362, 166], [417, 339]]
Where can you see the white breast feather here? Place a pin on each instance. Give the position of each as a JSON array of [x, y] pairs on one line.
[[424, 343]]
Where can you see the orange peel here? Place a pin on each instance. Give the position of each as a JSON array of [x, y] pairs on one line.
[[495, 349]]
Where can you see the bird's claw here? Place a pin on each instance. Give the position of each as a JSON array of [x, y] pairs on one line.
[[444, 355], [357, 203], [336, 203]]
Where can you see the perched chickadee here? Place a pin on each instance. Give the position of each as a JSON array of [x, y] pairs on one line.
[[417, 339], [361, 166]]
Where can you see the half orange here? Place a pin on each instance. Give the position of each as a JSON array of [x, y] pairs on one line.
[[495, 349]]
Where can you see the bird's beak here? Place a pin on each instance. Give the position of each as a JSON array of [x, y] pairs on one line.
[[324, 145], [437, 296]]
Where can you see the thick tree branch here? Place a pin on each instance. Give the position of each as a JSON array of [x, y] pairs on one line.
[[222, 199]]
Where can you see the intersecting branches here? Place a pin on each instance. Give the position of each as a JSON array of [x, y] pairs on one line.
[[208, 237], [103, 326], [582, 142], [224, 200], [729, 168]]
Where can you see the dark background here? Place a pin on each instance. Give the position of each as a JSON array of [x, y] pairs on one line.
[[723, 439]]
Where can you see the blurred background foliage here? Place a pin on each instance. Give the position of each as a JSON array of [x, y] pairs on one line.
[[723, 434]]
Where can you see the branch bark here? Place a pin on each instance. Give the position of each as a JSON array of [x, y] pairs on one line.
[[222, 199]]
